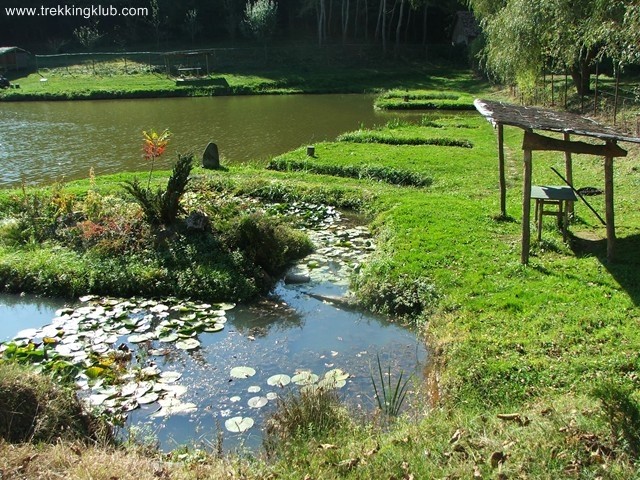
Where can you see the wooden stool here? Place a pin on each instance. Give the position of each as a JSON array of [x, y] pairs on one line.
[[556, 197]]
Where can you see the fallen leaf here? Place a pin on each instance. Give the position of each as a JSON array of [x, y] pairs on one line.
[[514, 417], [476, 472], [349, 463], [373, 451], [456, 436], [327, 446]]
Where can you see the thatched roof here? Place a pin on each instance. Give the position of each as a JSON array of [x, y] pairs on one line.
[[533, 118]]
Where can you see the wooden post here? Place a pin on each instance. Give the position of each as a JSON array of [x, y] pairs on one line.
[[568, 169], [503, 183], [609, 215], [526, 208]]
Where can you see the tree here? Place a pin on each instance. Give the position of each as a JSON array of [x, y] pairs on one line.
[[191, 24], [88, 35], [260, 18], [524, 36]]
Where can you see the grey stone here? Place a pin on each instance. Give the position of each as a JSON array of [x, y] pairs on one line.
[[296, 278], [211, 157]]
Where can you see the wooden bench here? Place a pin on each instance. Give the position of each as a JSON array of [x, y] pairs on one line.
[[556, 197]]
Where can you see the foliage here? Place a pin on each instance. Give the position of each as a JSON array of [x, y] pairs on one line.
[[35, 409], [394, 176], [389, 396], [267, 242], [163, 206], [260, 18], [524, 38], [622, 412], [307, 414], [153, 146], [88, 36]]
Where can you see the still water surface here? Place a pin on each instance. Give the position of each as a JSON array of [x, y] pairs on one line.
[[42, 142]]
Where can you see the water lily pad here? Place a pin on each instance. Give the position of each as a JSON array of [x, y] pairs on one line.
[[226, 306], [169, 376], [257, 402], [238, 424], [187, 344], [216, 327], [235, 399], [242, 372], [171, 337], [147, 398], [174, 390], [139, 338], [271, 395], [171, 406], [253, 389], [304, 378], [27, 333], [160, 307], [279, 380], [336, 374]]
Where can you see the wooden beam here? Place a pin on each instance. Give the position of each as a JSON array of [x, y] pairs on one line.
[[609, 213], [526, 208], [503, 182], [533, 141]]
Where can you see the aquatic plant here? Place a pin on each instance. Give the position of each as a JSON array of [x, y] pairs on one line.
[[390, 396]]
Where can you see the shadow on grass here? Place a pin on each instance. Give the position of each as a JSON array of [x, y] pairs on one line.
[[625, 267]]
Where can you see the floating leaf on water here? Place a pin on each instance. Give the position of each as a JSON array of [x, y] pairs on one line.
[[216, 327], [257, 402], [172, 406], [272, 396], [280, 380], [150, 371], [238, 424], [160, 307], [235, 399], [226, 306], [188, 318], [97, 399], [139, 338], [174, 390], [27, 333], [304, 378], [147, 398], [242, 372], [87, 298], [187, 344], [171, 337], [169, 376], [128, 389], [336, 374], [253, 389], [158, 352]]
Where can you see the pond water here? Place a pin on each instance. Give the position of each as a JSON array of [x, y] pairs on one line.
[[179, 380], [41, 142]]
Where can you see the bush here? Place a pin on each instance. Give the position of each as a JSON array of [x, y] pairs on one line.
[[267, 242], [309, 414], [34, 408]]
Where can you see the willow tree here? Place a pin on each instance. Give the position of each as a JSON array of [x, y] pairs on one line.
[[522, 37]]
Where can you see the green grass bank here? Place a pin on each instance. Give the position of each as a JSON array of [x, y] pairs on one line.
[[116, 79], [536, 367]]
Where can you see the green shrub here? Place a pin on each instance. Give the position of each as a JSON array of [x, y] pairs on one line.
[[161, 207], [374, 136], [267, 242], [394, 176], [308, 414], [35, 408]]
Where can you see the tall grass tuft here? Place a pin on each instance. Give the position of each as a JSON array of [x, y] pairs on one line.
[[390, 396], [311, 413]]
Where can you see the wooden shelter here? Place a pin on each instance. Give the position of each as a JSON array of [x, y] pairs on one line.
[[532, 118], [14, 58]]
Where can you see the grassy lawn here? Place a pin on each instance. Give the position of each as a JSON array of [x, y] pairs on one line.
[[536, 366], [112, 79]]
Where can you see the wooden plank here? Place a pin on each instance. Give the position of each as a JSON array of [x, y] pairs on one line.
[[609, 211], [503, 182], [526, 208], [533, 141]]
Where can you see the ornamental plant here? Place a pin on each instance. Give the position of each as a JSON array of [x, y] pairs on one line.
[[154, 145]]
